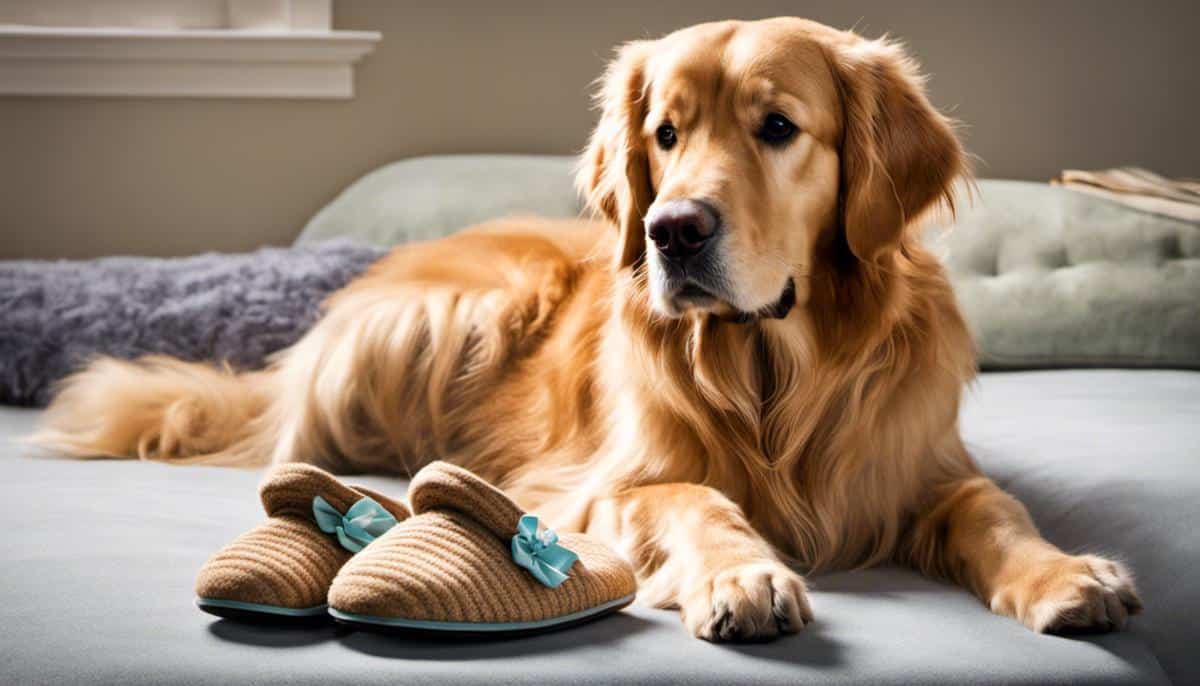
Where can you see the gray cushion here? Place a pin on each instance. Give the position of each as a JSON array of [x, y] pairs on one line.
[[429, 197], [1108, 461], [1047, 276], [99, 560], [1051, 277]]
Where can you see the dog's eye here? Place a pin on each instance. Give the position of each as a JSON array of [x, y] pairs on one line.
[[776, 129], [665, 135]]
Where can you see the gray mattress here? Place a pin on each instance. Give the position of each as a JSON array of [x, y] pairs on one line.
[[99, 559]]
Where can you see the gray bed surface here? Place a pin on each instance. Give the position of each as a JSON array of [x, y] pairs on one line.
[[99, 560]]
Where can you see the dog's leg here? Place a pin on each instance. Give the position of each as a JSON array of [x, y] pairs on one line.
[[978, 535], [694, 550]]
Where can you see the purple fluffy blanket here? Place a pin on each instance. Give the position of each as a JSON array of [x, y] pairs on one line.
[[239, 309]]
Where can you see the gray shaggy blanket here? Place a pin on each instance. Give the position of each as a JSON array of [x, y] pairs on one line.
[[54, 316]]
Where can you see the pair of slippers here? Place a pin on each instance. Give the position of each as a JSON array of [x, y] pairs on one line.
[[466, 561]]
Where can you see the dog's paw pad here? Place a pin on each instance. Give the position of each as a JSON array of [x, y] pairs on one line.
[[747, 602], [1083, 593]]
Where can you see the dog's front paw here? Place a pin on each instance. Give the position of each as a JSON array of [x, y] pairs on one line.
[[745, 602], [1070, 593]]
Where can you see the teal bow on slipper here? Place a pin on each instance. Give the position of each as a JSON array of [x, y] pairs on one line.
[[540, 553], [365, 521]]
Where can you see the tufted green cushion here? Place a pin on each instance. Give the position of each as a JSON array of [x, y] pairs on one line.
[[428, 197], [1051, 277], [1047, 276]]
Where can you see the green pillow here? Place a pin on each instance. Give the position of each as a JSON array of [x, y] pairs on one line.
[[429, 197], [1052, 277], [1047, 276]]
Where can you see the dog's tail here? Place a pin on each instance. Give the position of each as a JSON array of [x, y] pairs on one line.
[[159, 408]]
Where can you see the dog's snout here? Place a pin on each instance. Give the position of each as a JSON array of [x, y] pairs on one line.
[[681, 228]]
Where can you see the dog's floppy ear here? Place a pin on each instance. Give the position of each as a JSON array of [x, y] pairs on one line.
[[614, 173], [899, 155]]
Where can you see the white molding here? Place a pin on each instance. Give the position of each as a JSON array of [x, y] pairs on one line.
[[171, 14], [193, 63]]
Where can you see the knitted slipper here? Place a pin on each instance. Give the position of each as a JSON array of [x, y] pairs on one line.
[[469, 563], [281, 570]]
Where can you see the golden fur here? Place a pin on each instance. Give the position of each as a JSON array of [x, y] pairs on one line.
[[719, 455]]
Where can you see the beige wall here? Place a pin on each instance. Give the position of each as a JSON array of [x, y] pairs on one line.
[[1042, 85]]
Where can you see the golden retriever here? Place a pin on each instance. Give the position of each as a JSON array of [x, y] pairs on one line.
[[751, 367]]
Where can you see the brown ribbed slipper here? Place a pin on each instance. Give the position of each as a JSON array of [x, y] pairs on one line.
[[469, 562], [281, 570]]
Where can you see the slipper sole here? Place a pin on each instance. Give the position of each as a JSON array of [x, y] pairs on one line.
[[475, 630], [259, 612]]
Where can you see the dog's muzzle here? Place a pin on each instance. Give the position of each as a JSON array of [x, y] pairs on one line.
[[776, 310]]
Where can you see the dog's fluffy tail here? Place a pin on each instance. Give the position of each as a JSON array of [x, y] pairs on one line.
[[159, 408]]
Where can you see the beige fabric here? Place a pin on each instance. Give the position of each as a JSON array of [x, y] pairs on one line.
[[286, 561], [1138, 188], [443, 486], [451, 562]]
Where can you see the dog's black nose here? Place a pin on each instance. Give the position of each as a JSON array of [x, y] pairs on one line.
[[681, 228]]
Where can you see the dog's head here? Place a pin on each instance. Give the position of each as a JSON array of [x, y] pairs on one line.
[[725, 152]]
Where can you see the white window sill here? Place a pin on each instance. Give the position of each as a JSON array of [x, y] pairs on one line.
[[188, 63]]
